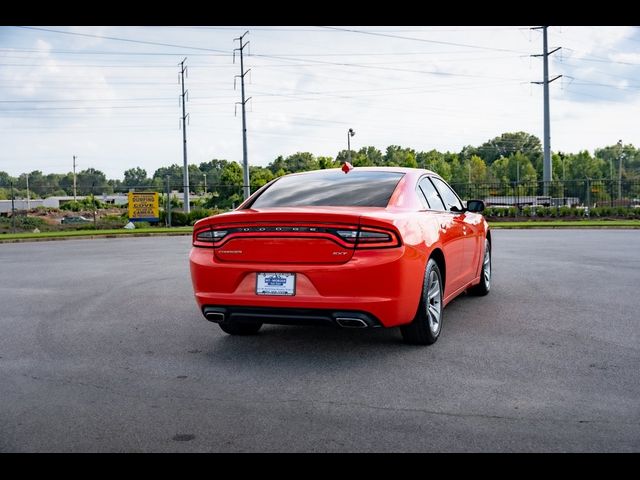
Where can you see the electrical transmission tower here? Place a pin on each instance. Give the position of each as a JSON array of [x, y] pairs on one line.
[[547, 165], [185, 176], [245, 161]]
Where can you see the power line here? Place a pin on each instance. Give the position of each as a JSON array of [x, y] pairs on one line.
[[104, 37], [324, 54], [439, 42]]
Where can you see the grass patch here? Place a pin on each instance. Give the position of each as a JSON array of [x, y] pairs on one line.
[[568, 224], [94, 233]]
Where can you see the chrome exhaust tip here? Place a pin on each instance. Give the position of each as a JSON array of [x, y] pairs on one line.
[[216, 317], [346, 322]]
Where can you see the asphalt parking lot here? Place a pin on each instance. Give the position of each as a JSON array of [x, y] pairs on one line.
[[102, 348]]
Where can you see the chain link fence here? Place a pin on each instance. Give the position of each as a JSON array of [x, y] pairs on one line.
[[570, 193]]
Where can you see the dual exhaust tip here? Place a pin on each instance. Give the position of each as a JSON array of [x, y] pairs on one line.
[[349, 322], [344, 322], [214, 316]]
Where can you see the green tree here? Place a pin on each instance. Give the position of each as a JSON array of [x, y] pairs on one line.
[[343, 156], [213, 170], [369, 156], [276, 165], [229, 193], [508, 143], [436, 162], [327, 162], [477, 168], [396, 156], [259, 176], [582, 165], [300, 162], [92, 181], [5, 179], [175, 173], [615, 155], [136, 177]]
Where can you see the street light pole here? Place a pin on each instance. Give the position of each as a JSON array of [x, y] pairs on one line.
[[74, 178], [350, 134], [621, 154], [13, 209]]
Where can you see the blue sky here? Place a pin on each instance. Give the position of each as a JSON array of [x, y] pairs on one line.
[[113, 101]]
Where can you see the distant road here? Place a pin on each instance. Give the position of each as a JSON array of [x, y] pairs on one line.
[[102, 348]]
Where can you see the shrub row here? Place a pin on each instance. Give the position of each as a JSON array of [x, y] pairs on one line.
[[560, 212], [180, 219]]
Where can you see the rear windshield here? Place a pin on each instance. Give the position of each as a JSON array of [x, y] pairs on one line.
[[331, 188]]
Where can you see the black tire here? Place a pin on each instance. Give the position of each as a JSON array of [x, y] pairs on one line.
[[238, 328], [485, 275], [421, 331]]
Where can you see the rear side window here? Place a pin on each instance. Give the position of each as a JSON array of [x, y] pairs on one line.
[[330, 188], [431, 195]]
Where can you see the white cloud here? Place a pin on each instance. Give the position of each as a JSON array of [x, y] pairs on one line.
[[120, 111]]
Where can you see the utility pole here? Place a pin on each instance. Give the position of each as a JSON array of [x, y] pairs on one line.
[[205, 184], [74, 178], [245, 161], [13, 209], [546, 168], [185, 175], [168, 207], [28, 195]]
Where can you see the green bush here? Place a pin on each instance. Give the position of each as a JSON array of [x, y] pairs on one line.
[[89, 203], [43, 209], [74, 206], [542, 211], [201, 213], [112, 221], [179, 219], [29, 223], [197, 214], [565, 211], [526, 212]]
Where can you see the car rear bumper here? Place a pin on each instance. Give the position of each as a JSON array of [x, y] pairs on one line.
[[383, 286], [291, 316]]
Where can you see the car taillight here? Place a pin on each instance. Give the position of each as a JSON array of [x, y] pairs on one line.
[[369, 237], [349, 236], [207, 237], [373, 237]]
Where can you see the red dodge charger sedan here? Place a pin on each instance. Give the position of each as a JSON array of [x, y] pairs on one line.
[[356, 247]]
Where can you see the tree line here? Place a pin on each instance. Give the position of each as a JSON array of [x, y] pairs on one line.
[[510, 157]]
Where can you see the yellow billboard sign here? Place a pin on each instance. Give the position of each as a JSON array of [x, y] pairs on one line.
[[143, 206]]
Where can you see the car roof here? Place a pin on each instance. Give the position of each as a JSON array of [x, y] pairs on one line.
[[405, 170]]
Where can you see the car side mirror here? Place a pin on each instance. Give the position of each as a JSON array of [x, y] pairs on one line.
[[476, 206]]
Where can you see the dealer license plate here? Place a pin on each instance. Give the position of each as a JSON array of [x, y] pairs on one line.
[[276, 284]]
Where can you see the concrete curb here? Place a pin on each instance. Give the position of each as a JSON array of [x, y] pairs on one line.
[[94, 237]]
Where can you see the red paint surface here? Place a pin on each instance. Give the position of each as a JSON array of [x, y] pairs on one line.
[[382, 279]]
